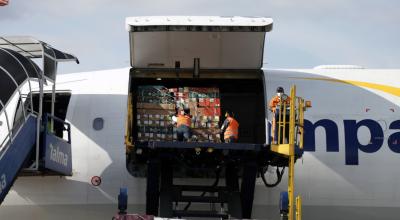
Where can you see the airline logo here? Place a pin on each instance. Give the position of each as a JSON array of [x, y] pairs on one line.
[[352, 144], [58, 156]]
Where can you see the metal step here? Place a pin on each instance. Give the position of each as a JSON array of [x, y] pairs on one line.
[[200, 199], [200, 214], [197, 188]]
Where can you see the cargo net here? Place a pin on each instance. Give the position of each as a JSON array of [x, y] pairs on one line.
[[156, 106]]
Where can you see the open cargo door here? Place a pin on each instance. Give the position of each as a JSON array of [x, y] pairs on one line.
[[217, 42], [227, 51]]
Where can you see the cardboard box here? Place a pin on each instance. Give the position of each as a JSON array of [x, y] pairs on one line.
[[155, 112], [218, 112], [144, 105], [208, 111], [202, 102], [156, 123], [217, 102], [204, 90], [162, 123], [207, 102], [193, 112]]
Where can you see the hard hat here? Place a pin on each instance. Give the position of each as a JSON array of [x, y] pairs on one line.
[[280, 90]]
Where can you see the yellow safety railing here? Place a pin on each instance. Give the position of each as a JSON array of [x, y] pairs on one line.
[[128, 129], [290, 133], [288, 122], [298, 208], [300, 121]]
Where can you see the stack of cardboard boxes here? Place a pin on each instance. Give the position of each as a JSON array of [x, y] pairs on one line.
[[205, 107], [156, 105]]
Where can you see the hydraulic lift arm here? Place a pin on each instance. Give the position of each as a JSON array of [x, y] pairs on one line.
[[290, 148]]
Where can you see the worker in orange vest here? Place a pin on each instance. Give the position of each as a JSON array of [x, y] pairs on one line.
[[230, 128], [184, 121], [280, 94], [273, 106]]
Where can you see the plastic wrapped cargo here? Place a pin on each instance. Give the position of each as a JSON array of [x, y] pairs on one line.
[[157, 104]]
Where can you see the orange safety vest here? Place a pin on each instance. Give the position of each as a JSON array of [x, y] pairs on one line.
[[232, 130], [275, 102], [184, 120]]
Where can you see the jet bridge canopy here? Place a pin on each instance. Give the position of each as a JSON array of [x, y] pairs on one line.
[[14, 70], [31, 48], [218, 42], [16, 65]]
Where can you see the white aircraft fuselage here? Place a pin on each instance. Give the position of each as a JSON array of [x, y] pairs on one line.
[[352, 142], [347, 170]]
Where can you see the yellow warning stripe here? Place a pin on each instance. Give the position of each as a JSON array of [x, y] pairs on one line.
[[384, 88]]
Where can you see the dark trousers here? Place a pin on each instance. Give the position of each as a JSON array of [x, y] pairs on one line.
[[183, 133]]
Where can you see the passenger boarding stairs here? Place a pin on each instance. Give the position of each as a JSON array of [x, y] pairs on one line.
[[20, 145], [27, 139], [15, 152]]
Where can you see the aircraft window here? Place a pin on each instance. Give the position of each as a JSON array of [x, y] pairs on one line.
[[98, 124]]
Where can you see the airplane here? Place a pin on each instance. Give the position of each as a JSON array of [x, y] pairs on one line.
[[351, 140]]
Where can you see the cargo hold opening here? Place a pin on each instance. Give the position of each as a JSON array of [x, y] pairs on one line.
[[239, 91]]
